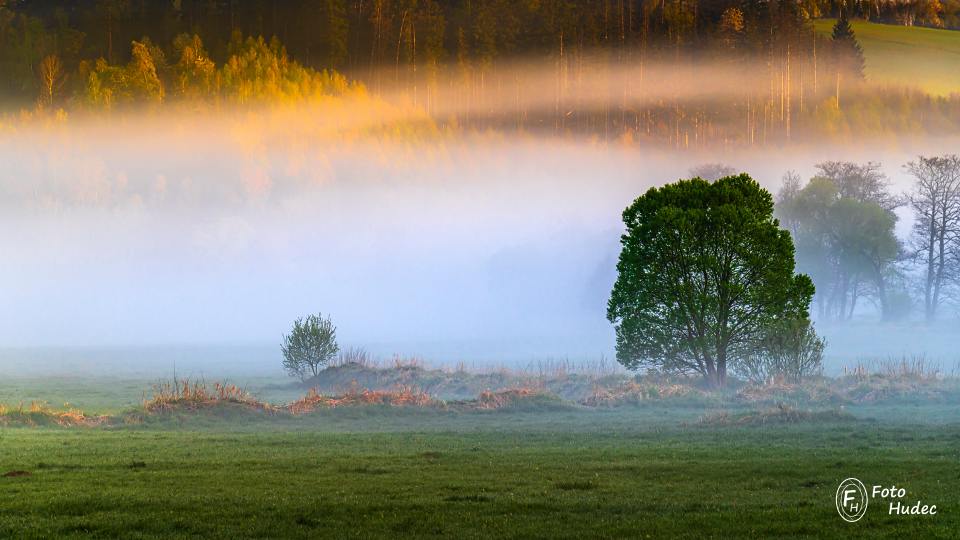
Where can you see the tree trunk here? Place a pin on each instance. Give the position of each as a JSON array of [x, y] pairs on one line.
[[722, 369], [941, 264], [711, 372], [716, 370], [928, 285], [853, 301], [882, 294]]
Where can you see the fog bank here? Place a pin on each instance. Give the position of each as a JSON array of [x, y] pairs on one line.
[[478, 248]]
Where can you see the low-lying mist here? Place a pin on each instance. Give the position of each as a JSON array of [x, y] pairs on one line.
[[485, 248]]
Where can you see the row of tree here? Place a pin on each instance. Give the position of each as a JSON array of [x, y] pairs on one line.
[[454, 55], [709, 282], [773, 77], [355, 33], [255, 71], [843, 221]]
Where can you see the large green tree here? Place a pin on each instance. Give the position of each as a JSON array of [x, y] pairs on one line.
[[705, 269]]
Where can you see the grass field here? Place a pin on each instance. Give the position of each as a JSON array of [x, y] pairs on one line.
[[638, 472], [902, 55]]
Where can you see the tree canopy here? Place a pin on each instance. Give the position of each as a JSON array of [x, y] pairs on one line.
[[844, 226], [309, 347], [704, 270]]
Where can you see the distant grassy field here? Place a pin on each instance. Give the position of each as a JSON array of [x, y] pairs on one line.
[[923, 57], [634, 472]]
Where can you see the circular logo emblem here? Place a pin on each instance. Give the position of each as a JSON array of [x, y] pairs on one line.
[[852, 500]]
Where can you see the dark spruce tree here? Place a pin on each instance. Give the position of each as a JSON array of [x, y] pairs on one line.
[[847, 52], [705, 269]]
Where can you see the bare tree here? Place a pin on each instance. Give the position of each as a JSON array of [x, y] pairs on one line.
[[789, 192], [936, 201], [860, 182], [52, 78]]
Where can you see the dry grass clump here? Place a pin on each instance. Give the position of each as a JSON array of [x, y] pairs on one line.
[[39, 414], [552, 369], [353, 356], [511, 398], [916, 368], [911, 367], [911, 378], [778, 390], [192, 395], [904, 379], [505, 398], [401, 397], [633, 392], [781, 414], [412, 362], [360, 357]]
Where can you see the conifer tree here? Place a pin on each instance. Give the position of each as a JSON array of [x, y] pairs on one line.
[[848, 55]]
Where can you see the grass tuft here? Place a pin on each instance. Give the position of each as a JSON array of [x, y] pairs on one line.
[[402, 397], [782, 414], [39, 413], [513, 399], [635, 393], [184, 394]]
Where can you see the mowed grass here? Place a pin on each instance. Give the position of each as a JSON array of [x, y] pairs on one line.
[[927, 58], [634, 472]]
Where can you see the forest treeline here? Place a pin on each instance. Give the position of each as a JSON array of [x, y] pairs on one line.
[[461, 55]]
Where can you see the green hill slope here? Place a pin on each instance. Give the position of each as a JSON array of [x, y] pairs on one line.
[[924, 57]]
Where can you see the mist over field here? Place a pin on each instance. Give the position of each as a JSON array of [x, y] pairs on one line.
[[482, 248]]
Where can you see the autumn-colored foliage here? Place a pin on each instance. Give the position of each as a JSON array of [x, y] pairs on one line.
[[401, 397]]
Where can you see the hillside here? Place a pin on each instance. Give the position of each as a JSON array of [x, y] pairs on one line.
[[909, 55]]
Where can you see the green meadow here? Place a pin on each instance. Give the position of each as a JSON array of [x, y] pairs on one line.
[[557, 471], [907, 56]]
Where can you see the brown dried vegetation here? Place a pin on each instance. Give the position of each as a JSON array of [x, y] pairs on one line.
[[184, 394]]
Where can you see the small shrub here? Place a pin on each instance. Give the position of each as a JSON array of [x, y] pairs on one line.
[[790, 349], [309, 346]]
